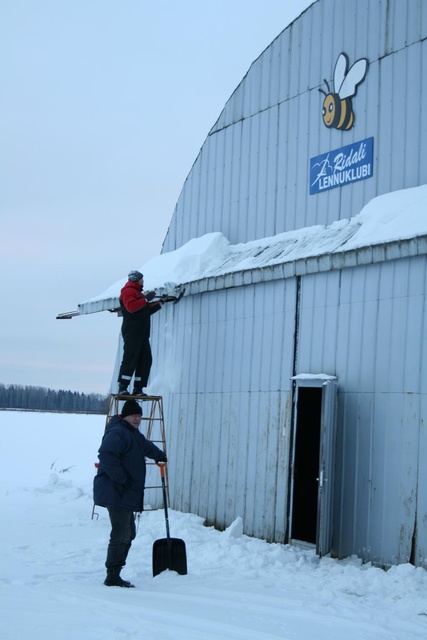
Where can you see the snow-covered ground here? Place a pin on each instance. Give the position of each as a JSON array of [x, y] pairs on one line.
[[52, 563]]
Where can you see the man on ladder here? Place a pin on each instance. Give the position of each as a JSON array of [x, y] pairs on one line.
[[137, 309]]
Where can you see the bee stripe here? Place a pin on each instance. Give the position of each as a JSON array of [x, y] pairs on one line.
[[346, 119]]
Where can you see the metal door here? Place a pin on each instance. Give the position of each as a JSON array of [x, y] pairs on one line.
[[326, 467]]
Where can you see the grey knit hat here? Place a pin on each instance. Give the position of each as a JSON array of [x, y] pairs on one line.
[[135, 276]]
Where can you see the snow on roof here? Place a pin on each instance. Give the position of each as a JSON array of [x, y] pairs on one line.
[[313, 376], [395, 216]]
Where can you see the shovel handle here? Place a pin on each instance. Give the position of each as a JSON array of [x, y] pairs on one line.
[[162, 466]]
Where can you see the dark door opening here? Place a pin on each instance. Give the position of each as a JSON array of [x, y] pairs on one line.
[[306, 464]]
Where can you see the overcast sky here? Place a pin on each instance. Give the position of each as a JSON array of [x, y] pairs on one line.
[[104, 107]]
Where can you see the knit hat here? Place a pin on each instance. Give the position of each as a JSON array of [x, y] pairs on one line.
[[131, 408], [135, 276]]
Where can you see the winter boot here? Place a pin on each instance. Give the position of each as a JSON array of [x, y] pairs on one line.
[[113, 579], [123, 389], [137, 391]]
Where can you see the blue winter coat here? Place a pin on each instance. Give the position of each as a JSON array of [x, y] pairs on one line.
[[121, 473]]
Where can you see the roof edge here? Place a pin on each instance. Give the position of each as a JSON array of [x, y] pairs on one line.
[[372, 254], [329, 261]]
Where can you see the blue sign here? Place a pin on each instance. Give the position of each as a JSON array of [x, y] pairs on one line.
[[342, 166]]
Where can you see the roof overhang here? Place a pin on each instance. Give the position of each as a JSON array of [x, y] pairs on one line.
[[109, 304]]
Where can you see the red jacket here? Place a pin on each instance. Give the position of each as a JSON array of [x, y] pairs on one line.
[[132, 297], [136, 311]]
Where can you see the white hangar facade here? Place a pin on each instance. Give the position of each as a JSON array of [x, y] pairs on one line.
[[301, 403]]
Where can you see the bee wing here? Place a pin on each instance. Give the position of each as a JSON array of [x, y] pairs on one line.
[[355, 75], [340, 71]]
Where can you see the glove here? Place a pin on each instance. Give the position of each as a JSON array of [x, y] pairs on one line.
[[162, 458], [150, 295]]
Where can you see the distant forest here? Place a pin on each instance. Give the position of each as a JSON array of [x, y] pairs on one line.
[[14, 396]]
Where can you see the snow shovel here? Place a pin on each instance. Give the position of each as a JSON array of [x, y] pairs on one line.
[[170, 292], [168, 297], [168, 553]]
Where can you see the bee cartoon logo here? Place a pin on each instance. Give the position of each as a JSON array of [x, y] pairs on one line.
[[337, 108]]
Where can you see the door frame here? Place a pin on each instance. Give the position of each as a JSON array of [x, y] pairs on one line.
[[325, 475]]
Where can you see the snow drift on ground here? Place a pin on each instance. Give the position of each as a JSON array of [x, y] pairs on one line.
[[394, 216], [237, 587]]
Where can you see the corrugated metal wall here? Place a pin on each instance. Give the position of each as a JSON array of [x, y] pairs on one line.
[[226, 422], [370, 330], [228, 354], [229, 362], [250, 179]]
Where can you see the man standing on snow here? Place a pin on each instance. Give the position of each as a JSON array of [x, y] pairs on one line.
[[119, 484], [137, 312]]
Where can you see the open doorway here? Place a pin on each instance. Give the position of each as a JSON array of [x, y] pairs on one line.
[[306, 464]]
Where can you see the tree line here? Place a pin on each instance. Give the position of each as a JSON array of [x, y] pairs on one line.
[[14, 396]]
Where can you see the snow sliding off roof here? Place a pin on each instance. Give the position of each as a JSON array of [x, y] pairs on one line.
[[395, 222]]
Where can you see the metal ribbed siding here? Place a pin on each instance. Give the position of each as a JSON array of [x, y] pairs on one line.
[[370, 325], [251, 177], [227, 423], [229, 420], [370, 331]]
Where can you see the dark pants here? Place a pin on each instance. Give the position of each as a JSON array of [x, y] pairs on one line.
[[123, 531], [137, 359]]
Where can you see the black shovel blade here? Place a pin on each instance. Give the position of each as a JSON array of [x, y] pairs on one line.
[[169, 553]]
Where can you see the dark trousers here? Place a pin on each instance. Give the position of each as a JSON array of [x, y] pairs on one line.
[[137, 359], [123, 531]]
